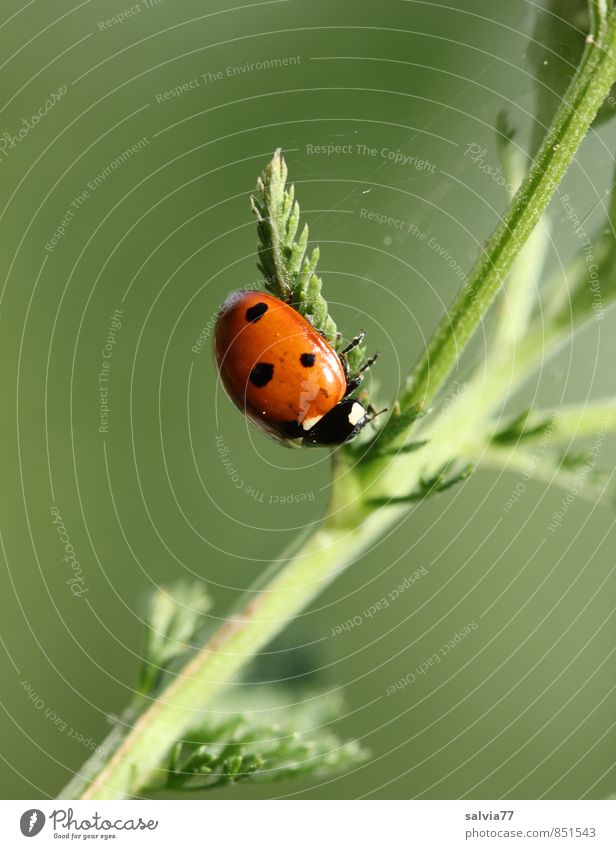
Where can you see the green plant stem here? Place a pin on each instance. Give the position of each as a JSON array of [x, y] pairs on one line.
[[348, 532], [503, 377], [338, 543], [587, 91], [328, 552], [520, 293]]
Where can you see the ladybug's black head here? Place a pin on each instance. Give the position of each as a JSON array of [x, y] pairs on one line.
[[342, 423]]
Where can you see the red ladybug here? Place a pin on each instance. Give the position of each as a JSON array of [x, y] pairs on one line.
[[284, 375]]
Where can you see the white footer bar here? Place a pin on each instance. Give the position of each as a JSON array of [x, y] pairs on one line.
[[309, 824]]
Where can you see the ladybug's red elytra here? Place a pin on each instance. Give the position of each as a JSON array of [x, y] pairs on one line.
[[284, 375]]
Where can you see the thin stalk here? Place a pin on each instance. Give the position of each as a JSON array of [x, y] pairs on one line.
[[520, 293], [324, 556], [587, 91], [347, 532], [503, 378]]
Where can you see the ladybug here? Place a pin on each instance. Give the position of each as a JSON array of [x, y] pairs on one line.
[[284, 375]]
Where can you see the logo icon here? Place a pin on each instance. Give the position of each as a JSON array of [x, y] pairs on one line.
[[31, 822]]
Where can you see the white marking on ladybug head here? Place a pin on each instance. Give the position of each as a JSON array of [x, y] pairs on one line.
[[356, 414], [308, 424]]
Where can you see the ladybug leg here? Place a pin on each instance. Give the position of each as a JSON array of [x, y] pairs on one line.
[[352, 384], [357, 340], [351, 380], [354, 380]]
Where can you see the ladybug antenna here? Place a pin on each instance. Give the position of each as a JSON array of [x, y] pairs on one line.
[[373, 412]]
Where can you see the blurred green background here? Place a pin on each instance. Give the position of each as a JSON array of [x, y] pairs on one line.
[[525, 705]]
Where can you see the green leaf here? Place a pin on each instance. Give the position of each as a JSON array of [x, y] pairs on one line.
[[289, 272], [521, 427], [272, 741], [435, 484]]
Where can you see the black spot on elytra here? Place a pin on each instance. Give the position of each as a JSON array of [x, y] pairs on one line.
[[255, 312], [261, 374], [307, 360]]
